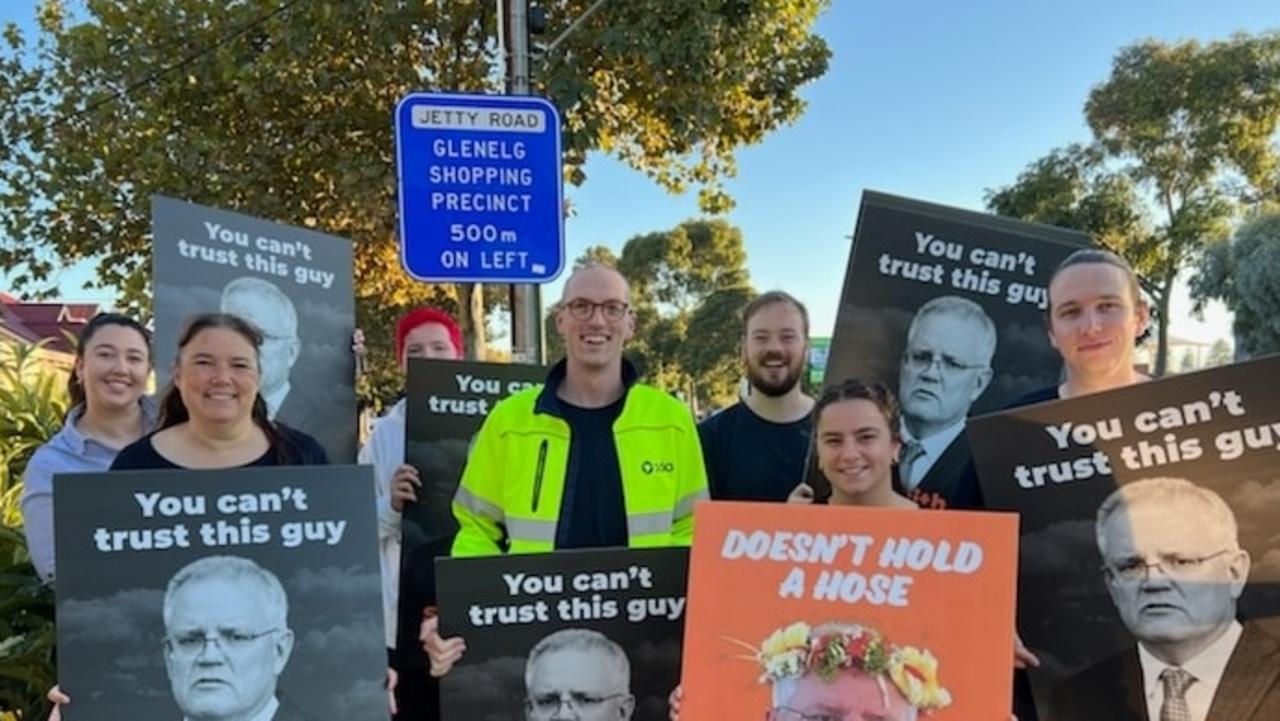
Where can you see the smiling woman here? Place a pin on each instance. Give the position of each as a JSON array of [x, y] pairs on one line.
[[113, 360], [213, 415]]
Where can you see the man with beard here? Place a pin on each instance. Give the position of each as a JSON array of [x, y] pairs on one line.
[[945, 367], [755, 450]]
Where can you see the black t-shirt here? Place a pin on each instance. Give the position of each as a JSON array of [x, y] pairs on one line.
[[300, 449], [751, 459], [593, 512], [1039, 396]]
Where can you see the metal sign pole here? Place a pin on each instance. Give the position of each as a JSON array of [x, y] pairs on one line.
[[526, 299]]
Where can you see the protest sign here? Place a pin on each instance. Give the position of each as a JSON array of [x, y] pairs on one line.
[[294, 284], [446, 403], [852, 611], [946, 307], [1198, 449], [215, 594], [598, 630]]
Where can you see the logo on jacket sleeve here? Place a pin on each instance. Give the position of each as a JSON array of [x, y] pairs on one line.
[[651, 467]]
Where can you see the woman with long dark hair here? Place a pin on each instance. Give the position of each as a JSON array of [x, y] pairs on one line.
[[109, 410], [212, 415]]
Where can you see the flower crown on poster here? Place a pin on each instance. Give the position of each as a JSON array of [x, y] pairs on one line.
[[795, 650]]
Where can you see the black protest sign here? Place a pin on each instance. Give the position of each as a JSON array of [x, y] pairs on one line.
[[215, 594], [975, 287], [1173, 445], [446, 403], [294, 284], [906, 253], [573, 622]]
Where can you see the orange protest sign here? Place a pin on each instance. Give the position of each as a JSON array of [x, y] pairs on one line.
[[800, 612]]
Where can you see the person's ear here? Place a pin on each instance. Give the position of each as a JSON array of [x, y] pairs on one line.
[[283, 648], [981, 382], [1238, 566], [627, 707], [1143, 313]]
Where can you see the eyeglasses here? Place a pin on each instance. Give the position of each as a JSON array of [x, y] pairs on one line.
[[921, 360], [190, 645], [1171, 564], [545, 705], [583, 309], [784, 713]]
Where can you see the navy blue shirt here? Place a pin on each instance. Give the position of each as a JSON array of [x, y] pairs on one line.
[[593, 512], [299, 449], [752, 459]]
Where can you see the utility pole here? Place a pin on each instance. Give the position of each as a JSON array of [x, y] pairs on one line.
[[526, 298]]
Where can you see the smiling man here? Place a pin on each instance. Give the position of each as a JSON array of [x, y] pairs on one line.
[[1174, 569], [592, 458], [227, 639], [945, 367], [756, 449]]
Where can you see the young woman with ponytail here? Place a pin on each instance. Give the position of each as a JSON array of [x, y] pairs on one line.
[[109, 410]]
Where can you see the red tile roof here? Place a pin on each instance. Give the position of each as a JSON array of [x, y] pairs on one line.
[[34, 321]]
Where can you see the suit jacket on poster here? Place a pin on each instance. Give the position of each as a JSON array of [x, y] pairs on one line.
[[1111, 690], [952, 480]]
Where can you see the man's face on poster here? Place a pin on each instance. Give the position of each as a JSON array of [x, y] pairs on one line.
[[1173, 578], [224, 648], [851, 695], [945, 367], [280, 346], [578, 684]]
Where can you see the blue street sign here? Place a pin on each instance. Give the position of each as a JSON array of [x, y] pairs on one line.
[[481, 194]]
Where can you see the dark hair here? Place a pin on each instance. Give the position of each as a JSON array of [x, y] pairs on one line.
[[858, 389], [773, 297], [75, 388], [173, 411], [1086, 256]]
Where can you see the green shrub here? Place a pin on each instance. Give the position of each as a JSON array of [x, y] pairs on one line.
[[33, 403]]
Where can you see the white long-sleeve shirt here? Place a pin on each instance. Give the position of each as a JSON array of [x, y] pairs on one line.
[[385, 452]]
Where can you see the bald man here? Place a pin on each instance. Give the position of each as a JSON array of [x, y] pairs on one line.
[[591, 458]]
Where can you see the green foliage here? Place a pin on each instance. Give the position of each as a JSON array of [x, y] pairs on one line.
[[688, 288], [1184, 135], [26, 630], [34, 403], [1242, 273], [282, 110], [1219, 354]]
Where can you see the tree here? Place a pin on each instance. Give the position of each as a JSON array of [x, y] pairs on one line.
[[1219, 354], [1242, 273], [688, 288], [281, 109], [1183, 136], [1188, 363]]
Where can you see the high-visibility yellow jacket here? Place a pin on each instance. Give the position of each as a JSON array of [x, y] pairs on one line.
[[516, 474]]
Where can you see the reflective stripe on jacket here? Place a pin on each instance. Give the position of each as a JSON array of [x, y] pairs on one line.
[[511, 490]]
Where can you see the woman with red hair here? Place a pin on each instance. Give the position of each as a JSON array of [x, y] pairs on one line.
[[420, 333]]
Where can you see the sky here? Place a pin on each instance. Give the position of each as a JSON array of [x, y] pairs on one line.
[[934, 100]]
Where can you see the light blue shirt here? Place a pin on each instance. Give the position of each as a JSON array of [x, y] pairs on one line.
[[69, 451]]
